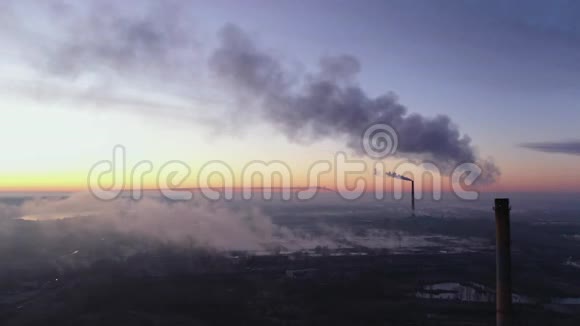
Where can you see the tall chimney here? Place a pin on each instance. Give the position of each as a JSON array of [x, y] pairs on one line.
[[503, 301], [413, 196]]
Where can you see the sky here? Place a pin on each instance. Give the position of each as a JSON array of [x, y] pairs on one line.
[[240, 81]]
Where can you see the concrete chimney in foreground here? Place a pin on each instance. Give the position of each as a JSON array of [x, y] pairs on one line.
[[503, 299]]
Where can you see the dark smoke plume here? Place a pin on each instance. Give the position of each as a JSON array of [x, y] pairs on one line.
[[330, 103], [158, 48], [398, 176]]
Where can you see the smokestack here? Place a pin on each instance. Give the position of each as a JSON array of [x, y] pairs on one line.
[[503, 299], [413, 197], [402, 177]]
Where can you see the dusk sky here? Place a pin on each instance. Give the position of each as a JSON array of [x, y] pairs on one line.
[[79, 77]]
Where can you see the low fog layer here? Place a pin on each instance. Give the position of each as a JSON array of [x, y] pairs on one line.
[[218, 226], [208, 224]]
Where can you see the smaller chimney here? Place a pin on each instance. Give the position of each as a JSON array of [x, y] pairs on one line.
[[413, 196], [503, 301]]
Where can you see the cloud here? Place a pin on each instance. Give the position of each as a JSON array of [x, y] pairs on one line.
[[564, 147], [155, 42], [102, 99]]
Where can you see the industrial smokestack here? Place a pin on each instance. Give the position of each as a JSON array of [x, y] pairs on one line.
[[413, 197], [402, 177], [503, 300]]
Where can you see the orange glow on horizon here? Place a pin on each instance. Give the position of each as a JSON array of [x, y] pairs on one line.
[[74, 182]]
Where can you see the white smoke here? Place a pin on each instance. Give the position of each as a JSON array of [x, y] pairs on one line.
[[124, 227], [204, 223]]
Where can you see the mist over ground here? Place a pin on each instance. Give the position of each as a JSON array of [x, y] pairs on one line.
[[259, 225], [73, 257]]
